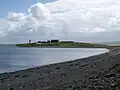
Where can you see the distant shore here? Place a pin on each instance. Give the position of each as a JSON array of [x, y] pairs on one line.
[[99, 72], [62, 45]]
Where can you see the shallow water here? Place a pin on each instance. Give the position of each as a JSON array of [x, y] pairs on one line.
[[13, 58]]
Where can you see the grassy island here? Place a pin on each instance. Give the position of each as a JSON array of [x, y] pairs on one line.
[[62, 44]]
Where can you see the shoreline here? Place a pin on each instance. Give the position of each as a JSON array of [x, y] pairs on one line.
[[67, 60], [97, 71]]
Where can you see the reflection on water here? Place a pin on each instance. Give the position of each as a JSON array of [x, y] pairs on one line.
[[13, 58]]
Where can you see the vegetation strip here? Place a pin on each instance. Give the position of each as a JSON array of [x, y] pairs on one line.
[[61, 44]]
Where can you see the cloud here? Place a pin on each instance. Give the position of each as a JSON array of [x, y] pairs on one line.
[[13, 16], [88, 20], [38, 23], [40, 11]]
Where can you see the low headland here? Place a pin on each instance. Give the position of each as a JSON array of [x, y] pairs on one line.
[[61, 44], [99, 72]]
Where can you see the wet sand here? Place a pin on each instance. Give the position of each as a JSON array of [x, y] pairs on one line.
[[100, 72]]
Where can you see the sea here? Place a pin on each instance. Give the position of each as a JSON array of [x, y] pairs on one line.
[[13, 58]]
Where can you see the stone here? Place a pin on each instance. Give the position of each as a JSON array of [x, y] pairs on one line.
[[110, 75], [11, 88]]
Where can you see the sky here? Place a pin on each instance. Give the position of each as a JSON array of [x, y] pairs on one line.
[[18, 5], [79, 20]]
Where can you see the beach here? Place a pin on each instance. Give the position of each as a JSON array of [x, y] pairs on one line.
[[99, 72]]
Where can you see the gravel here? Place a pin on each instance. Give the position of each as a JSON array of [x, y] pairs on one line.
[[100, 72]]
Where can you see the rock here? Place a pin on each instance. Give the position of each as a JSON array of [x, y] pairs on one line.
[[110, 75], [115, 66], [1, 79], [76, 88], [24, 76], [91, 88], [91, 77], [57, 67], [71, 65], [63, 74], [83, 86], [113, 85], [17, 76], [77, 64], [100, 88], [11, 88]]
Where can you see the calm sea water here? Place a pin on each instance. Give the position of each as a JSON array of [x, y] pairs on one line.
[[13, 58]]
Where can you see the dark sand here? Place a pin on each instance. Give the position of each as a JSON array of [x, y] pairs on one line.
[[100, 72]]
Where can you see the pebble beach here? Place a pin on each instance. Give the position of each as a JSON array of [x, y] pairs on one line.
[[99, 72]]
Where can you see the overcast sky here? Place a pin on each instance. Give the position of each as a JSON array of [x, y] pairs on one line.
[[80, 20]]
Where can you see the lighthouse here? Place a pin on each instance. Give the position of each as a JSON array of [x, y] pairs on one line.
[[29, 41]]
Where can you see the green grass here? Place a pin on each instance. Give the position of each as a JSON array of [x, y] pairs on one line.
[[62, 45]]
